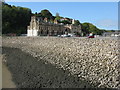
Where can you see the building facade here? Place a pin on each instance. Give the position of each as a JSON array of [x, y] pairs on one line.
[[112, 34], [40, 27]]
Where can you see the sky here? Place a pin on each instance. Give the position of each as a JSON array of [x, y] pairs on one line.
[[104, 15]]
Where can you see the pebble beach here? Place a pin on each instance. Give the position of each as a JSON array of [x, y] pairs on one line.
[[62, 62]]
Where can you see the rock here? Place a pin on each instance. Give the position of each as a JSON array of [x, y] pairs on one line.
[[94, 60]]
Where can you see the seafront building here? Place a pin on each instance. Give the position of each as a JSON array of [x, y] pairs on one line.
[[40, 27]]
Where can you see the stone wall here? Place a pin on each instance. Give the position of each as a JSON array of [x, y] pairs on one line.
[[42, 28]]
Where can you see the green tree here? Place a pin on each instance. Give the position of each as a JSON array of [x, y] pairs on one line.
[[85, 28], [88, 28], [15, 19], [46, 13], [58, 18], [77, 22]]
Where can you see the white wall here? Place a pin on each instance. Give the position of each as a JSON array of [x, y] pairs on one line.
[[32, 32], [29, 32], [35, 32]]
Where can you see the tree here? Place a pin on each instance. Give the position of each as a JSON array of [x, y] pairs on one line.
[[15, 19], [77, 22], [58, 18], [65, 22], [88, 28], [46, 13], [85, 28]]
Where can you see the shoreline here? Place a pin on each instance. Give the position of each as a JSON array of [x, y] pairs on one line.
[[7, 78], [29, 73]]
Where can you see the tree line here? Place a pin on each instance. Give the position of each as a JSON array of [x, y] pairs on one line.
[[16, 19]]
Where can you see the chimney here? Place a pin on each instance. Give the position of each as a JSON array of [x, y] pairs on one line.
[[73, 21]]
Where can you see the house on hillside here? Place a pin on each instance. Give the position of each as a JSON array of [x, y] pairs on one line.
[[43, 27]]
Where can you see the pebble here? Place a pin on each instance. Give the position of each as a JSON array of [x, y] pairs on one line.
[[95, 57]]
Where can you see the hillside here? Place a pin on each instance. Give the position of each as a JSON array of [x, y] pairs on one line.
[[16, 20]]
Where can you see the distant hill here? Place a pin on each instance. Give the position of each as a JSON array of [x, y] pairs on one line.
[[16, 20], [86, 27]]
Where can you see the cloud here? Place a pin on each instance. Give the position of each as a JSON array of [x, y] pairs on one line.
[[107, 23]]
